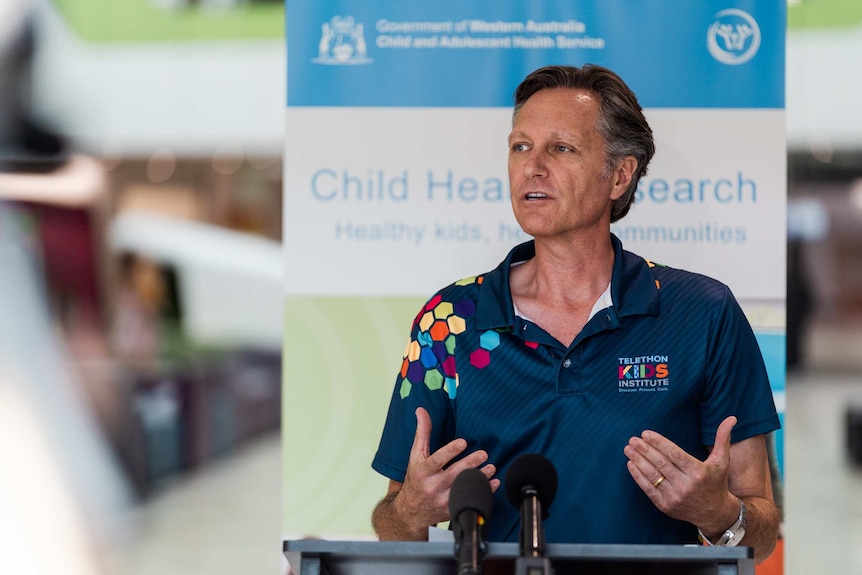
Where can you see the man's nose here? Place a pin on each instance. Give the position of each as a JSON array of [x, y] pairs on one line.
[[535, 164]]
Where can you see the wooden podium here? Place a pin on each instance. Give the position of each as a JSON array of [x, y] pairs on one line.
[[319, 557]]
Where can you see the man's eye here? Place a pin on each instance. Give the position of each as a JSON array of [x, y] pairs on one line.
[[519, 147], [562, 148]]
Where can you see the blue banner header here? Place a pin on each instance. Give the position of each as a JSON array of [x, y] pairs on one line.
[[458, 53]]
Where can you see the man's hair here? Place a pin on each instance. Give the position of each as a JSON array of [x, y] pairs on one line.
[[621, 121]]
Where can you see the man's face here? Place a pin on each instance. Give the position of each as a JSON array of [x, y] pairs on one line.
[[556, 161]]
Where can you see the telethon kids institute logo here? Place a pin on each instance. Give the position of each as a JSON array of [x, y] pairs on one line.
[[645, 373], [342, 43], [734, 37]]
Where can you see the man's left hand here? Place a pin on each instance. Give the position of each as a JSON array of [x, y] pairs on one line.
[[681, 485]]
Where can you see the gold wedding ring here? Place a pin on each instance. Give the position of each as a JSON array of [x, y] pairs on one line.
[[658, 481]]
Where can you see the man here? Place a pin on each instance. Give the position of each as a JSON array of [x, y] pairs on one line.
[[642, 384]]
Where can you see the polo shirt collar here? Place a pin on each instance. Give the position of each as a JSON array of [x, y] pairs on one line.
[[633, 289]]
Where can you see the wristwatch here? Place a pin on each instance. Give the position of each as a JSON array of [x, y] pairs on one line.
[[733, 535]]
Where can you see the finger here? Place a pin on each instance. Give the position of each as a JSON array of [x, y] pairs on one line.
[[422, 439], [668, 457], [720, 454], [646, 484], [648, 463], [441, 458], [488, 470], [453, 449]]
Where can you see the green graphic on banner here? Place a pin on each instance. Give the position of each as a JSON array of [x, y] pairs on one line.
[[341, 355]]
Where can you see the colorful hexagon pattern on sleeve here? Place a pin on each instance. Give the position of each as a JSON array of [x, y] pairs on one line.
[[429, 358]]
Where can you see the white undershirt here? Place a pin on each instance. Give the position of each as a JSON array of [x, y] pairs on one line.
[[603, 302]]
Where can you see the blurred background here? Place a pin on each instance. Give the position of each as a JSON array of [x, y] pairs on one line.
[[823, 442], [141, 286]]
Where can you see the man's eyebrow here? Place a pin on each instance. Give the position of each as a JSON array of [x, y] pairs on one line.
[[553, 135]]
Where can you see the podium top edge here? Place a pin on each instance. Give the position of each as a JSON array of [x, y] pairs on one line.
[[502, 550]]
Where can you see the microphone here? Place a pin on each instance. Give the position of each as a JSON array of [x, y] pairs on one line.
[[531, 485], [470, 505]]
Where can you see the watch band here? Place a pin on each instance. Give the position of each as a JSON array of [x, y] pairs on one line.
[[733, 534]]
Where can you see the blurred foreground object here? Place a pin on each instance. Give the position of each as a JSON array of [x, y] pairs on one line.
[[26, 145], [60, 494]]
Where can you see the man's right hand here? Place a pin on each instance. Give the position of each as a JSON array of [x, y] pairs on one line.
[[423, 499]]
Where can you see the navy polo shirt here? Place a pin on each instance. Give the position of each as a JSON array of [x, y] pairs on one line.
[[674, 354]]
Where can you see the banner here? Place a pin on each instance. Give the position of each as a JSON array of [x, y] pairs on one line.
[[396, 185]]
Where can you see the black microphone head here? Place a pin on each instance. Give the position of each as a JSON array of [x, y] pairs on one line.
[[531, 470], [471, 490]]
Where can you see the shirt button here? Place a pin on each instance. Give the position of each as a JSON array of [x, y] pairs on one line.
[[567, 362]]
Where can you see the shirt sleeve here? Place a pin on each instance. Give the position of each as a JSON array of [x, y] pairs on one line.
[[737, 382], [419, 383]]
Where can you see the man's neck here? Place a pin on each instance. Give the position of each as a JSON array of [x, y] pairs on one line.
[[558, 288], [576, 269]]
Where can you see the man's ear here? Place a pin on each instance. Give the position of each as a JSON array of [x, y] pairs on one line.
[[623, 176]]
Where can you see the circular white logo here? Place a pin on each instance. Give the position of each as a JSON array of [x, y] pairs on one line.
[[734, 37]]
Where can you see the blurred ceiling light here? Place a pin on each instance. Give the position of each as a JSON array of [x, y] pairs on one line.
[[76, 183], [111, 156], [821, 148], [161, 166], [227, 159]]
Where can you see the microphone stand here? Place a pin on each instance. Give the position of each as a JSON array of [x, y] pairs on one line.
[[470, 547], [532, 560]]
